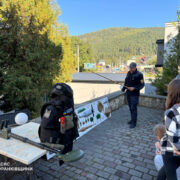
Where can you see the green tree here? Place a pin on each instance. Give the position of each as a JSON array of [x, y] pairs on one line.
[[67, 65], [30, 52], [152, 61], [170, 66], [85, 52]]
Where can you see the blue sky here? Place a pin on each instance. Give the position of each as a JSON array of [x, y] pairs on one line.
[[84, 16]]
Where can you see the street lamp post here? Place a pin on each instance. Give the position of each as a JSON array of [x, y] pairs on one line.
[[78, 57]]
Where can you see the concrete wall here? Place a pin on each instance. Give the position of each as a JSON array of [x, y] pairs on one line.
[[152, 101], [118, 99], [171, 32], [88, 91]]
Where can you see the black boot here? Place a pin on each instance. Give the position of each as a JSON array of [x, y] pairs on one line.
[[132, 126], [130, 122]]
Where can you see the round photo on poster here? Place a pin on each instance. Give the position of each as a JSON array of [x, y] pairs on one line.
[[100, 106], [107, 112]]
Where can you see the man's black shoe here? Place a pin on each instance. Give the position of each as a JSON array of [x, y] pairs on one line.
[[132, 126], [129, 122]]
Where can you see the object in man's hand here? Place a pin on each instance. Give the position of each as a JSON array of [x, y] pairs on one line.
[[131, 88]]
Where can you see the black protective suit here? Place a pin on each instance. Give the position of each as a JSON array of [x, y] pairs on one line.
[[50, 130]]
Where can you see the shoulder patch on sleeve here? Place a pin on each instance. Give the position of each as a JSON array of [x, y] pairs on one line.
[[142, 81], [47, 113]]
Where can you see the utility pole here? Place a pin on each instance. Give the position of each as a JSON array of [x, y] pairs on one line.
[[78, 57], [120, 58]]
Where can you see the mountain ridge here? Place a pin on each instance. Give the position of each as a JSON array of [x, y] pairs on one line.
[[115, 43]]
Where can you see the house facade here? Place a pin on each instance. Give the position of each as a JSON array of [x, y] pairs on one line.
[[164, 45]]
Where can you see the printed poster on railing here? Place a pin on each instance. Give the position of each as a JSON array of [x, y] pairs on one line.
[[92, 114]]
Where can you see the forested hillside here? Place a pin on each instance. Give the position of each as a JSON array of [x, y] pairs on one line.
[[116, 44]]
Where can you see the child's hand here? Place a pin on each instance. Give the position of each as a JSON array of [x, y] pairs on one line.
[[158, 152], [157, 145], [177, 152]]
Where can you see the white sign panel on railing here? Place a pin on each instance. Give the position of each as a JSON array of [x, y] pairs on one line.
[[92, 114]]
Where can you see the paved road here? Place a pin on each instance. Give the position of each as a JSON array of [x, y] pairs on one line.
[[112, 151]]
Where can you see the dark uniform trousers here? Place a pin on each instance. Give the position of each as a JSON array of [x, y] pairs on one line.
[[133, 101]]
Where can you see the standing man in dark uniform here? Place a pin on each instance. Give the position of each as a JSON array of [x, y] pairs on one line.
[[134, 82]]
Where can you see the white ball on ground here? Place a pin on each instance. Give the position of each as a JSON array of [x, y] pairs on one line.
[[21, 118]]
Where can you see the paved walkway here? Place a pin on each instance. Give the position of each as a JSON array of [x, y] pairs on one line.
[[112, 151]]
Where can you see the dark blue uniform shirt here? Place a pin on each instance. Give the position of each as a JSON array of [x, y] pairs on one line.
[[135, 80]]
